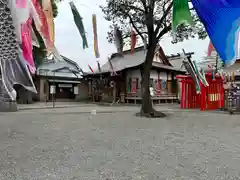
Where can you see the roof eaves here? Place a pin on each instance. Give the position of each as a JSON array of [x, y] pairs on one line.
[[71, 61]]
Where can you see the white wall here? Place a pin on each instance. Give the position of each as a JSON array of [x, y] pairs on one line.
[[154, 74], [133, 73]]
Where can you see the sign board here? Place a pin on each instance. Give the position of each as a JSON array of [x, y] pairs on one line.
[[65, 85], [75, 90], [52, 89], [111, 84]]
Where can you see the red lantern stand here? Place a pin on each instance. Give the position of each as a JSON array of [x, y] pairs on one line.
[[210, 98]]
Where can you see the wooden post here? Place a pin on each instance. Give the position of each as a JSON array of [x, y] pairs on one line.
[[93, 90], [114, 91], [203, 98]]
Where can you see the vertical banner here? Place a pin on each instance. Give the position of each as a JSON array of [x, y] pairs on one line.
[[134, 85], [164, 85]]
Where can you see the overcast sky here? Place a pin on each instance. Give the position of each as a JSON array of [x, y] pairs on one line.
[[69, 42]]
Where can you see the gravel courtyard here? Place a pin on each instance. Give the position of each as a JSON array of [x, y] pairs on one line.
[[72, 144]]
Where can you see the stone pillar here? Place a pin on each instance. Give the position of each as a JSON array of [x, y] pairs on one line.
[[43, 91], [6, 104], [25, 96]]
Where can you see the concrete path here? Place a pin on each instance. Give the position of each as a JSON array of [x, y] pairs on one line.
[[72, 144], [49, 105]]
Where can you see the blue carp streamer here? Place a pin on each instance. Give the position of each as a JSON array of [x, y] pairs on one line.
[[221, 19]]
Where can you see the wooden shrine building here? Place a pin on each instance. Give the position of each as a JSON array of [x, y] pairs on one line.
[[125, 85]]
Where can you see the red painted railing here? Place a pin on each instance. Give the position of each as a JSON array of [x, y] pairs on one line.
[[210, 98]]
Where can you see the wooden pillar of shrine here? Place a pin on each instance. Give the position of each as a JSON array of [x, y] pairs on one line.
[[114, 91], [169, 83]]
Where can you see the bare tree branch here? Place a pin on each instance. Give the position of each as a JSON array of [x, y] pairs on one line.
[[148, 15], [139, 33], [164, 31], [133, 24], [144, 6], [135, 8], [159, 23]]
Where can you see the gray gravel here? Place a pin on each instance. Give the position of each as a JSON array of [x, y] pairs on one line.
[[63, 144]]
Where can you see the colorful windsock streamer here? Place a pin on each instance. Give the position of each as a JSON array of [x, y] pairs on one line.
[[203, 77], [189, 66], [26, 36], [90, 68], [47, 8], [43, 28], [181, 14], [192, 73], [99, 66], [13, 66], [35, 41], [133, 40], [221, 20], [95, 36], [200, 74], [21, 3], [79, 23], [118, 40], [210, 48]]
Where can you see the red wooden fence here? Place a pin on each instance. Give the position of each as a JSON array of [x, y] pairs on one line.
[[210, 98]]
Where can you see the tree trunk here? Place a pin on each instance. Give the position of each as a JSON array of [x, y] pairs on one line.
[[147, 107]]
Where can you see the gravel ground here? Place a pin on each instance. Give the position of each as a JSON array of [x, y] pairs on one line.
[[68, 144]]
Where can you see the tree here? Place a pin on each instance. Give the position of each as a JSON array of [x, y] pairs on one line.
[[39, 53], [151, 19]]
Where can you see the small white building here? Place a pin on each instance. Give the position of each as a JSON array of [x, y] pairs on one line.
[[64, 76]]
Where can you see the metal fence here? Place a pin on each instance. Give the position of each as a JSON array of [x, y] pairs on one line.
[[232, 100]]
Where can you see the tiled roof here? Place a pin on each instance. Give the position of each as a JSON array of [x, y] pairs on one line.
[[55, 65], [176, 60], [52, 64], [132, 60]]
